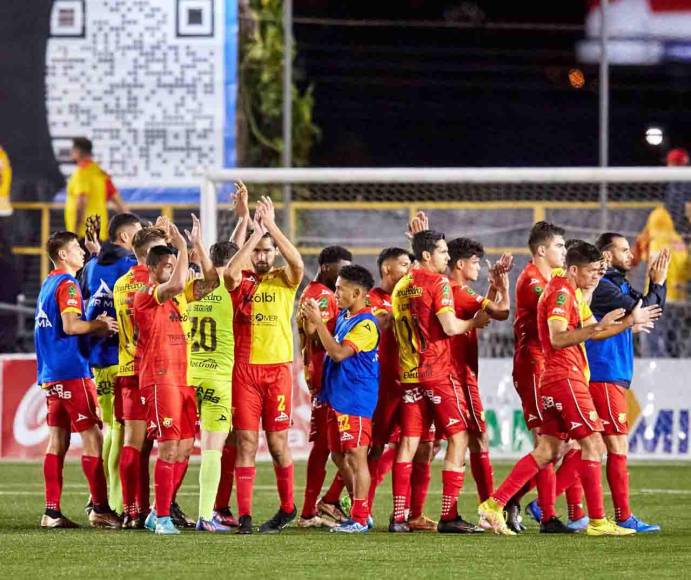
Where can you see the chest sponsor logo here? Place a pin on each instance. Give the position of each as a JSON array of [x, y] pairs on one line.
[[263, 297]]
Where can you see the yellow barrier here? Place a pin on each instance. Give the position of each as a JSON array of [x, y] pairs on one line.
[[168, 210]]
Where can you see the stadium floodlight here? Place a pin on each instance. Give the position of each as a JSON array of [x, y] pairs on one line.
[[654, 136]]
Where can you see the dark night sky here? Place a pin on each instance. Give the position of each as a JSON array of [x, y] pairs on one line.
[[473, 97]]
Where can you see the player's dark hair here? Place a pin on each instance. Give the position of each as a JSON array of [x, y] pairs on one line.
[[144, 238], [425, 241], [267, 235], [222, 252], [83, 144], [581, 254], [357, 275], [463, 249], [333, 255], [542, 233], [390, 254], [571, 242], [156, 253], [57, 241], [605, 241], [119, 221]]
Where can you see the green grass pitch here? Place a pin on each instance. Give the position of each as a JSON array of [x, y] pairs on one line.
[[660, 493]]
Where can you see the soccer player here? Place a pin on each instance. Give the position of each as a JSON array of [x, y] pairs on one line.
[[162, 321], [424, 321], [611, 364], [328, 512], [464, 267], [263, 299], [89, 191], [350, 384], [64, 374], [129, 409], [548, 251], [211, 371], [393, 264], [567, 408], [98, 278]]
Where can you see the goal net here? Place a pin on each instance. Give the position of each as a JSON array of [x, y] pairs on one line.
[[367, 210]]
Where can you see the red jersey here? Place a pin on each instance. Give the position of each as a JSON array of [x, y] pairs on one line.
[[423, 346], [313, 352], [380, 302], [162, 328], [529, 287], [464, 350], [560, 302]]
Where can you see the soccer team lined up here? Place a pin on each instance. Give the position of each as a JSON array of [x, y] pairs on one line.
[[162, 339]]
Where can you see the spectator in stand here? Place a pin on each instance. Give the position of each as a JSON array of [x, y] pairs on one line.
[[89, 190], [670, 336]]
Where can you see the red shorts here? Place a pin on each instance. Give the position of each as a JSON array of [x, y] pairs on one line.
[[441, 403], [73, 405], [130, 403], [387, 415], [171, 412], [471, 390], [526, 379], [262, 392], [347, 432], [568, 411], [318, 421], [610, 404]]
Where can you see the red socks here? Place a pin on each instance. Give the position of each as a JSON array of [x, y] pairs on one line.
[[333, 494], [522, 472], [179, 475], [285, 485], [574, 501], [373, 466], [567, 474], [618, 479], [360, 511], [244, 477], [419, 486], [400, 481], [164, 486], [452, 483], [225, 486], [316, 473], [129, 479], [591, 479], [52, 475], [93, 469], [386, 461], [481, 468], [546, 492]]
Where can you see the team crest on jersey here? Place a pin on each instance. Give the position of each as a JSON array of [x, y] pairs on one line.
[[167, 422], [538, 290], [42, 320], [592, 415], [323, 303], [72, 290], [622, 417], [561, 298]]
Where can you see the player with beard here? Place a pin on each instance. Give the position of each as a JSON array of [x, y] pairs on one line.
[[263, 300], [611, 363]]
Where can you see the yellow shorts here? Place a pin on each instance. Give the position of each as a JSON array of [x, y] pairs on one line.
[[214, 404], [105, 383]]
